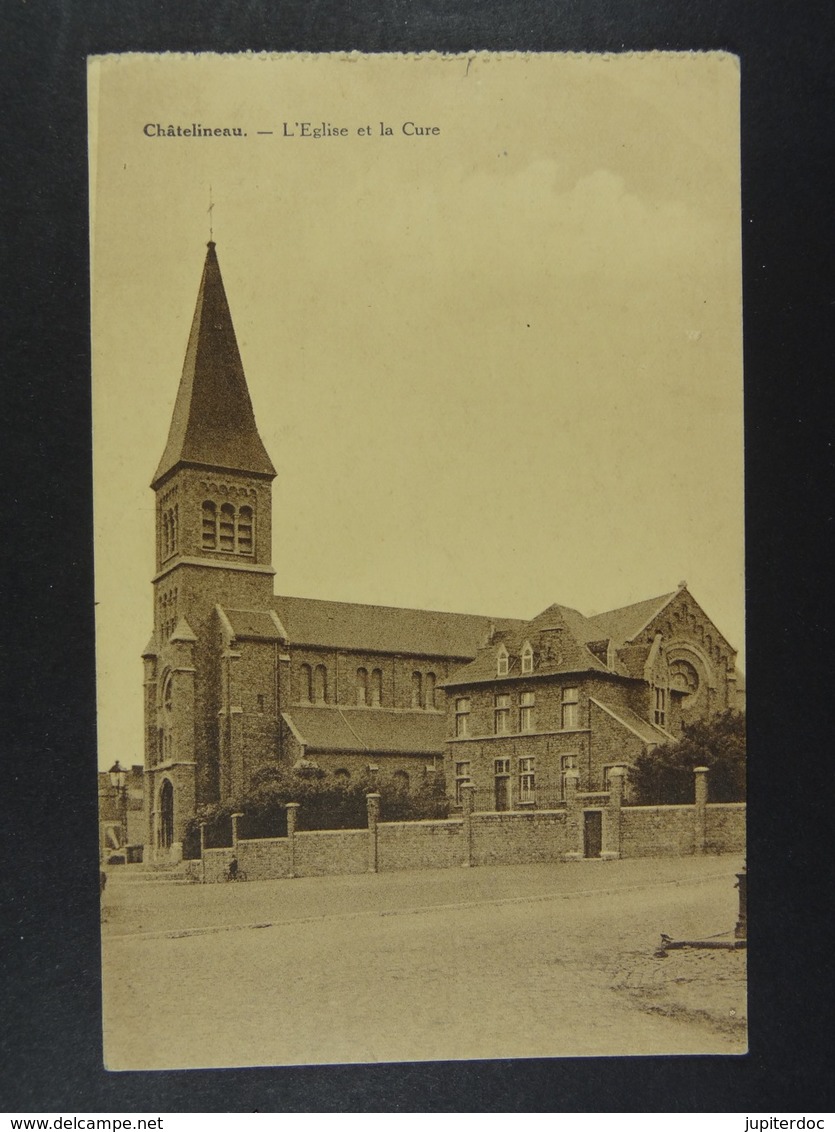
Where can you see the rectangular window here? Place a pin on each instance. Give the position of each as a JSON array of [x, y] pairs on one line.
[[570, 709], [462, 716], [660, 706], [502, 766], [527, 780], [502, 714], [462, 778], [526, 702], [567, 763]]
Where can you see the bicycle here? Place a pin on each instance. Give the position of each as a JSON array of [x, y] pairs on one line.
[[233, 871]]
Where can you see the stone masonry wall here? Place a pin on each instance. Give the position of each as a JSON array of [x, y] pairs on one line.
[[419, 845], [657, 831], [725, 827], [331, 851], [519, 838]]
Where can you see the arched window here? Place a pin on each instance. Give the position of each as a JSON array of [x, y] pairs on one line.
[[209, 526], [342, 772], [168, 692], [362, 686], [502, 661], [401, 780], [376, 687], [226, 530], [245, 530], [430, 690], [166, 536], [320, 684], [417, 690], [306, 683], [527, 657]]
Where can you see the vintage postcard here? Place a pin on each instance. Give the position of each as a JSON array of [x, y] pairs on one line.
[[417, 387]]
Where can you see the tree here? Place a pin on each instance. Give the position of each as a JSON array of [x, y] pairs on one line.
[[664, 775]]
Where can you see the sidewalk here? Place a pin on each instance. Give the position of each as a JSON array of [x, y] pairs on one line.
[[160, 908]]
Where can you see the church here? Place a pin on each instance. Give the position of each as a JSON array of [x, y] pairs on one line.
[[237, 678]]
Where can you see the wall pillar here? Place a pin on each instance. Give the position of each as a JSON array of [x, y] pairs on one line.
[[292, 809], [573, 818], [699, 833], [202, 852], [373, 803], [235, 819], [611, 822], [467, 799]]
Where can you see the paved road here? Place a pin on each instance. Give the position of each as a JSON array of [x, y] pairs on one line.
[[480, 963]]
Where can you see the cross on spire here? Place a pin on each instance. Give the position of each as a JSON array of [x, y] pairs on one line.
[[211, 218]]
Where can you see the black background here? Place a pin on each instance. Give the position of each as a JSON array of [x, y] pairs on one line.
[[52, 1019]]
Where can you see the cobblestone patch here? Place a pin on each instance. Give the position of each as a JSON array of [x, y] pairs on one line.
[[707, 987]]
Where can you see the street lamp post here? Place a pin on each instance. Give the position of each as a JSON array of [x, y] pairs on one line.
[[118, 780]]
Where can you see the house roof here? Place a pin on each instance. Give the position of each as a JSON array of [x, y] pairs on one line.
[[376, 628], [213, 423], [646, 731], [368, 730], [622, 625], [570, 634], [557, 637]]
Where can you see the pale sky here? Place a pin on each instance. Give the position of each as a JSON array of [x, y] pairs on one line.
[[495, 368]]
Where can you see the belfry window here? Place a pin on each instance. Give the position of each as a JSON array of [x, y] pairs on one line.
[[169, 524], [209, 526], [228, 528], [320, 684], [245, 530]]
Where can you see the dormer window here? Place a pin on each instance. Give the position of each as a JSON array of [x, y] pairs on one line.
[[527, 657], [502, 662]]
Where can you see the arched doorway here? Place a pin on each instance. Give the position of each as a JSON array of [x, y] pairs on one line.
[[166, 815]]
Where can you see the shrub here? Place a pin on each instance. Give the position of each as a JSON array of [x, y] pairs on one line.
[[664, 776], [326, 801]]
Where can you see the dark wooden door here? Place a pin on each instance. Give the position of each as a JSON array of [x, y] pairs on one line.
[[166, 806], [501, 792], [592, 833]]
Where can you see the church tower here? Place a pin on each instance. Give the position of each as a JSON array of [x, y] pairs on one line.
[[213, 491]]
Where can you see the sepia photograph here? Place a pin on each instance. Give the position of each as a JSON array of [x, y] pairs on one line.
[[419, 556]]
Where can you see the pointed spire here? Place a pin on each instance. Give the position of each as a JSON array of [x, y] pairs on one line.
[[213, 424]]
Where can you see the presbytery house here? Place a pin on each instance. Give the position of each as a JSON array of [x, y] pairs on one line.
[[237, 678]]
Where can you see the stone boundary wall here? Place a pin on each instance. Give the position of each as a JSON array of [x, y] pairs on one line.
[[487, 838], [327, 852], [518, 837], [658, 831], [419, 845], [725, 827]]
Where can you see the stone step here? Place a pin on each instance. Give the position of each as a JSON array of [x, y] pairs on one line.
[[173, 875]]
